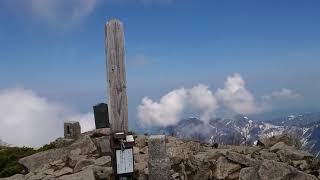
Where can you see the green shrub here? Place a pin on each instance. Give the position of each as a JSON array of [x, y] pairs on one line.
[[9, 157]]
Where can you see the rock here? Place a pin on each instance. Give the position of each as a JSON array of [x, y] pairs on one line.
[[216, 153], [242, 159], [234, 176], [175, 176], [249, 173], [271, 170], [73, 159], [224, 168], [141, 158], [15, 177], [37, 160], [104, 144], [63, 142], [269, 155], [146, 171], [141, 141], [140, 166], [63, 171], [86, 174], [48, 172], [82, 164], [37, 176], [104, 160], [136, 150], [82, 146], [49, 177], [102, 132], [287, 139], [144, 150], [102, 172], [244, 149], [280, 145], [301, 165], [293, 155]]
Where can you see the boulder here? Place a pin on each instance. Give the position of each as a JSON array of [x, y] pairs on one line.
[[249, 173], [291, 154], [287, 139], [82, 146], [141, 141], [269, 155], [15, 177], [242, 159], [224, 168], [63, 171], [82, 164], [271, 170], [86, 174], [104, 160]]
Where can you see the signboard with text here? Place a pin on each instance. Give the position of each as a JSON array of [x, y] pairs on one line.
[[124, 161]]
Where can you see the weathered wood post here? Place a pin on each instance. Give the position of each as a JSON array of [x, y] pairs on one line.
[[121, 141], [117, 89]]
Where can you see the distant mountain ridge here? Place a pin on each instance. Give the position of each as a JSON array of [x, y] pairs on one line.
[[244, 130]]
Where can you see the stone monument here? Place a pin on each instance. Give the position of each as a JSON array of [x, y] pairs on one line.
[[159, 164], [72, 130]]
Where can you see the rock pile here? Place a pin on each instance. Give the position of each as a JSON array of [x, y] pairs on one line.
[[87, 158]]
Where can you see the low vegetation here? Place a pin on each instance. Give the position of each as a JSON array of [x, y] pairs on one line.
[[9, 157]]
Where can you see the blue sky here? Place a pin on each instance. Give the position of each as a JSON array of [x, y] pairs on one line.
[[58, 52]]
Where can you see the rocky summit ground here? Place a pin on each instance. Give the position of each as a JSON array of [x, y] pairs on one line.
[[87, 158]]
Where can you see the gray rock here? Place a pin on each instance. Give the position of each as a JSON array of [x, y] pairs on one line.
[[63, 171], [293, 155], [280, 145], [287, 139], [82, 164], [224, 168], [82, 146], [104, 144], [86, 174], [15, 177], [141, 141], [249, 173], [271, 170], [269, 155], [104, 160], [242, 159]]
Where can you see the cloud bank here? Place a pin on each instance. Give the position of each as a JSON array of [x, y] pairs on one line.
[[234, 97], [26, 119], [169, 109]]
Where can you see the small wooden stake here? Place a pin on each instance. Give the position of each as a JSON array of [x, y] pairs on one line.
[[117, 89]]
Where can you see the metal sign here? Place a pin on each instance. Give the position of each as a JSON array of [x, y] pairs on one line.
[[124, 161]]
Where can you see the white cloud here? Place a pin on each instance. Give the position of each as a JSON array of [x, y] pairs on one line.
[[283, 93], [169, 109], [236, 97], [56, 13], [27, 119]]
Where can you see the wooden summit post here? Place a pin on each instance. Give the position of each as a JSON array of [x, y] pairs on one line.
[[117, 88]]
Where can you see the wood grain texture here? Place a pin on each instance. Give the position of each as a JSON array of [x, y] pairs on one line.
[[117, 89]]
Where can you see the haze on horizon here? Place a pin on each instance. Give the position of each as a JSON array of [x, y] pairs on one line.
[[205, 59]]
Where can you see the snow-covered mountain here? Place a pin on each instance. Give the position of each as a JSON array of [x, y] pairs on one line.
[[243, 130]]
